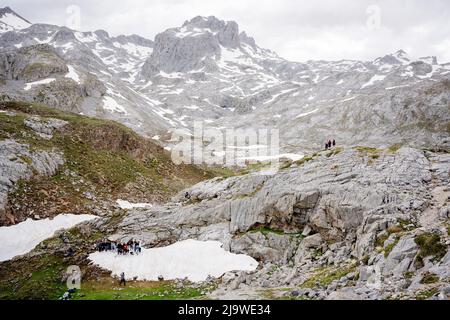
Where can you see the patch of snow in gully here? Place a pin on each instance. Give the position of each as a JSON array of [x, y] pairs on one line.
[[72, 74], [29, 85], [373, 80], [23, 237], [123, 204], [193, 259]]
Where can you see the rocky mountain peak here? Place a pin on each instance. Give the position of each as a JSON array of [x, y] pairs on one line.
[[246, 39], [201, 22], [102, 34], [402, 56], [64, 34], [401, 52], [134, 38], [430, 60], [193, 45], [227, 32], [5, 11], [10, 20]]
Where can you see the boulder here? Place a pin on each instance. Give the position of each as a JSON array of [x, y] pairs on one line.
[[346, 294], [405, 248], [313, 241]]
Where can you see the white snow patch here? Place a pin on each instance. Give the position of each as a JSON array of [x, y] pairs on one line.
[[72, 74], [111, 105], [192, 107], [375, 78], [86, 37], [134, 49], [396, 87], [348, 99], [123, 204], [46, 40], [306, 113], [23, 237], [408, 73], [173, 75], [193, 259], [192, 32], [65, 47], [14, 21], [29, 85], [385, 67], [282, 92]]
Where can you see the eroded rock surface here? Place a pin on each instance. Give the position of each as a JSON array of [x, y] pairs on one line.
[[361, 210], [17, 162]]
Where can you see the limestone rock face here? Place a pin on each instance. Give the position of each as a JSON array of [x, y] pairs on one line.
[[401, 255], [325, 217], [342, 198], [45, 128], [208, 70], [191, 46], [343, 295], [18, 162], [31, 64]]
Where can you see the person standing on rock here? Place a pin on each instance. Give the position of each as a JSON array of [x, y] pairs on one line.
[[334, 143], [122, 279], [326, 145]]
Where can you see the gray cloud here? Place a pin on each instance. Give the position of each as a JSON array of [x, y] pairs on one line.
[[297, 30]]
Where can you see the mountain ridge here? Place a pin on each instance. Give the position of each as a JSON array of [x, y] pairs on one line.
[[10, 20], [209, 70], [365, 219]]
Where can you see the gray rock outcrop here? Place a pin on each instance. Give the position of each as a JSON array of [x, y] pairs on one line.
[[17, 162]]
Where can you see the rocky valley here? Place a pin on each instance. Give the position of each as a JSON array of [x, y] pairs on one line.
[[86, 123]]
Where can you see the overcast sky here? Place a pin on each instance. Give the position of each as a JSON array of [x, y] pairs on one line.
[[297, 30]]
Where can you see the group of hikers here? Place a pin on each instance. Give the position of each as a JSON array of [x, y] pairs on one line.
[[130, 247], [330, 144]]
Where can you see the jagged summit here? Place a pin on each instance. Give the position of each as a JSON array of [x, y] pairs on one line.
[[206, 22], [398, 58], [401, 52], [8, 10], [402, 56], [10, 20], [208, 69], [202, 43]]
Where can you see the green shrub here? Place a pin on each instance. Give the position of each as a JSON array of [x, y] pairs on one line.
[[430, 246], [429, 278], [391, 246], [423, 295], [394, 148], [327, 275]]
